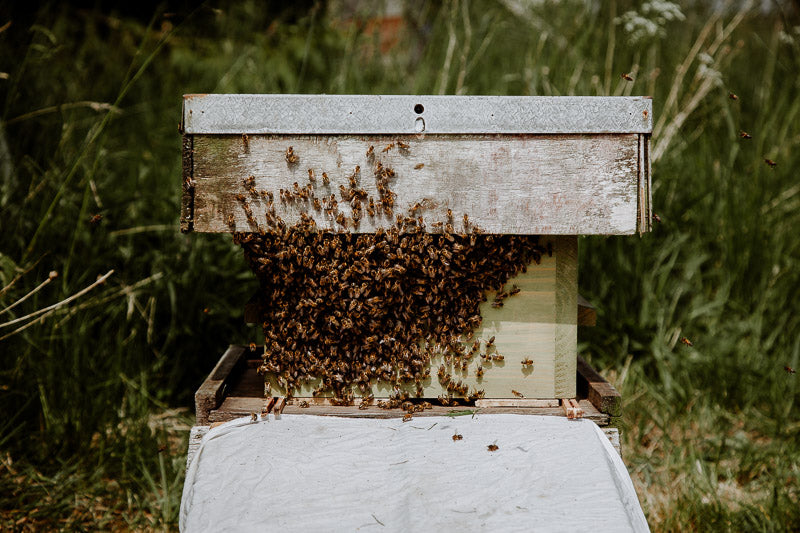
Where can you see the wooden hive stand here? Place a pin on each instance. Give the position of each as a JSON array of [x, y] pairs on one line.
[[557, 167]]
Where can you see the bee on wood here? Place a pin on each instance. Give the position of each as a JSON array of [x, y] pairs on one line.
[[388, 147], [407, 417], [517, 393], [686, 341], [402, 145], [231, 221], [490, 341], [291, 157], [497, 304], [419, 166], [771, 163], [457, 436], [241, 197], [527, 362], [311, 177], [246, 142], [479, 371], [514, 290], [626, 77], [732, 96], [492, 447], [253, 417], [371, 207], [304, 404], [789, 370], [316, 204], [427, 405], [325, 179], [497, 357], [370, 152], [744, 135]]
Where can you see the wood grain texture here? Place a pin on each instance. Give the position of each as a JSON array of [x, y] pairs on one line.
[[233, 407], [587, 314], [514, 184], [212, 391], [597, 390], [566, 317], [187, 197]]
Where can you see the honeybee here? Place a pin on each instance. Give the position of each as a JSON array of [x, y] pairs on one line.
[[252, 347], [479, 372], [325, 179], [291, 157], [789, 369], [231, 221], [365, 405], [253, 417], [490, 341], [427, 405], [517, 393], [245, 142], [402, 145], [497, 357], [771, 163], [370, 152], [527, 362], [497, 304], [656, 218], [732, 96], [744, 135], [240, 197], [388, 147], [686, 341], [457, 436], [626, 77], [419, 166], [492, 447], [407, 417], [311, 177], [95, 219], [303, 404]]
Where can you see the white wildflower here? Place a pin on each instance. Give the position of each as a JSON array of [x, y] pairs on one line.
[[650, 21]]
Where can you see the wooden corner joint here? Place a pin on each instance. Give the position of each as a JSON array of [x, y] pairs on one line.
[[571, 408]]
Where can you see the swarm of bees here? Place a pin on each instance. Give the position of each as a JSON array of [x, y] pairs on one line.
[[341, 311]]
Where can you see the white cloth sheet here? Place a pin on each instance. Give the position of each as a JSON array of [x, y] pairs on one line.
[[315, 473]]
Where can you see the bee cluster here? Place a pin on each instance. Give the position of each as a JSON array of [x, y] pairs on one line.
[[341, 310]]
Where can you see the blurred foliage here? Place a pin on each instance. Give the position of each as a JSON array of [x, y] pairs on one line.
[[90, 107]]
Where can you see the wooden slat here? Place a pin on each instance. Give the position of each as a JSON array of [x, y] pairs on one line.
[[566, 317], [187, 198], [238, 407], [587, 314], [599, 392], [521, 184], [212, 391]]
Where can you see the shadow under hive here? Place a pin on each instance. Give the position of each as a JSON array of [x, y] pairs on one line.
[[406, 264]]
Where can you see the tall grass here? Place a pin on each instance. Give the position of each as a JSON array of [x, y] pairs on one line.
[[90, 107]]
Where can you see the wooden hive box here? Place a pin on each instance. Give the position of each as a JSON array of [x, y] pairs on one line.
[[556, 167]]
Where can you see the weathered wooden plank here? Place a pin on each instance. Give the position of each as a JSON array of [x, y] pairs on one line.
[[409, 114], [212, 391], [233, 407], [587, 315], [187, 198], [599, 392], [566, 317], [521, 184]]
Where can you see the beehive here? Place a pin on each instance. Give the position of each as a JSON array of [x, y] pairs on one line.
[[550, 166]]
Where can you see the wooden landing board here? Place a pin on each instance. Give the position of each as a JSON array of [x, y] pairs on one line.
[[539, 323], [511, 184]]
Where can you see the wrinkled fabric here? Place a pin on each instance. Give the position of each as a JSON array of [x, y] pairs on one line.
[[315, 473]]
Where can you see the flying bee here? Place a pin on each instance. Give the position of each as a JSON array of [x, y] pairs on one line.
[[252, 347], [789, 370], [656, 218], [419, 166], [744, 135], [325, 179], [771, 163], [95, 219], [492, 447], [517, 393], [686, 341], [626, 77], [304, 404], [291, 157], [732, 96], [457, 436], [388, 147]]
